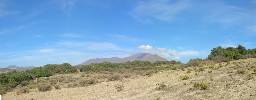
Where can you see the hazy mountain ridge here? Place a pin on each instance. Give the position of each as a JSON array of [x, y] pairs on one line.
[[14, 68], [139, 57]]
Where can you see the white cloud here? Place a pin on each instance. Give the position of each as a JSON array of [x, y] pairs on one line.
[[99, 46], [146, 47], [74, 52], [169, 53], [164, 10]]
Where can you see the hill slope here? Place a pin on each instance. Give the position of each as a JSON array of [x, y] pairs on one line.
[[139, 56], [233, 80]]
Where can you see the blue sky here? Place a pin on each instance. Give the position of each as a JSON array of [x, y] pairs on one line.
[[38, 32]]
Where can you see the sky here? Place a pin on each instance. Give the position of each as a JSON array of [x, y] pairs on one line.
[[38, 32]]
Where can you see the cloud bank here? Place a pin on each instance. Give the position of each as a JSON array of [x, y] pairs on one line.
[[170, 53]]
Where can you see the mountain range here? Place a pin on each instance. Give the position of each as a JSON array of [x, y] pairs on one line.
[[135, 57]]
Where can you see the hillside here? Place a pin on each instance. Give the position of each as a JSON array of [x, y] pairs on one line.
[[233, 80], [139, 57]]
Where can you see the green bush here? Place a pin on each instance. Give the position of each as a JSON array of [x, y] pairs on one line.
[[24, 83], [10, 80], [220, 54], [133, 66], [59, 69], [40, 72]]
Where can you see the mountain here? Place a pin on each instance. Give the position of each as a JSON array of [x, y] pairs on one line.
[[13, 68], [139, 57]]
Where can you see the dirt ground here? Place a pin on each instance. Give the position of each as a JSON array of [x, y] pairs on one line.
[[225, 81]]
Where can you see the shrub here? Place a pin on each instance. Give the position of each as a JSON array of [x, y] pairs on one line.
[[200, 69], [87, 82], [100, 67], [115, 77], [39, 72], [24, 83], [173, 62], [173, 68], [189, 70], [3, 89], [72, 85], [60, 68], [249, 76], [161, 86], [219, 59], [44, 87], [220, 54], [185, 77], [119, 88], [201, 85], [57, 87], [194, 62], [83, 75], [11, 79], [241, 71]]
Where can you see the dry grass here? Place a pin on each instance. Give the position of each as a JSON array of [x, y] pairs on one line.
[[22, 90], [220, 82], [44, 87], [87, 82]]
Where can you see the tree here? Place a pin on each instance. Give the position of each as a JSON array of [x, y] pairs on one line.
[[231, 53], [242, 49]]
